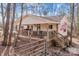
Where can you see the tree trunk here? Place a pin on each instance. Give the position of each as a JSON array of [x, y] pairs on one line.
[[78, 19], [75, 19], [6, 28], [12, 23], [2, 13], [72, 18], [19, 24], [26, 9]]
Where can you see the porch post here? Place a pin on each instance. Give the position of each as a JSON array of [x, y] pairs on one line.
[[46, 41], [57, 27], [30, 33], [28, 30], [47, 32]]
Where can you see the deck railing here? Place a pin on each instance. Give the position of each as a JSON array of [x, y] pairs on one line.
[[35, 48], [63, 40]]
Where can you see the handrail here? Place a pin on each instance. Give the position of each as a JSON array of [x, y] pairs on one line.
[[64, 38], [29, 44], [60, 35]]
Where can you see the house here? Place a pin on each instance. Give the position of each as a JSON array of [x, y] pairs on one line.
[[39, 23]]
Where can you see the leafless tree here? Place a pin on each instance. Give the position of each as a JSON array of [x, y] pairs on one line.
[[6, 27], [12, 23], [72, 18], [78, 18], [2, 13], [19, 24]]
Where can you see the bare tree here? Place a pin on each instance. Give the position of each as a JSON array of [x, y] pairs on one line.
[[6, 27], [12, 23], [75, 19], [78, 18], [19, 24], [26, 9], [2, 13], [72, 18]]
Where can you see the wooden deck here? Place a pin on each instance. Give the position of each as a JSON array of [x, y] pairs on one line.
[[33, 45]]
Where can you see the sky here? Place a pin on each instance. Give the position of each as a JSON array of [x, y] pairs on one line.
[[53, 9]]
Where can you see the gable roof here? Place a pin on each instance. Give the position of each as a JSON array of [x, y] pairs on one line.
[[32, 19]]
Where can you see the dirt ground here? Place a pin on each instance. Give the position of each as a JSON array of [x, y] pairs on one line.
[[55, 51], [1, 47], [70, 51]]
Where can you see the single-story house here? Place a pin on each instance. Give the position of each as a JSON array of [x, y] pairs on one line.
[[39, 23]]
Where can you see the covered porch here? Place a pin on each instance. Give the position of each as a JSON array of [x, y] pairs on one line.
[[39, 30], [38, 27]]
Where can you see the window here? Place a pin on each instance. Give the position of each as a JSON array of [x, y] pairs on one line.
[[27, 26], [50, 26], [38, 27], [31, 27]]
